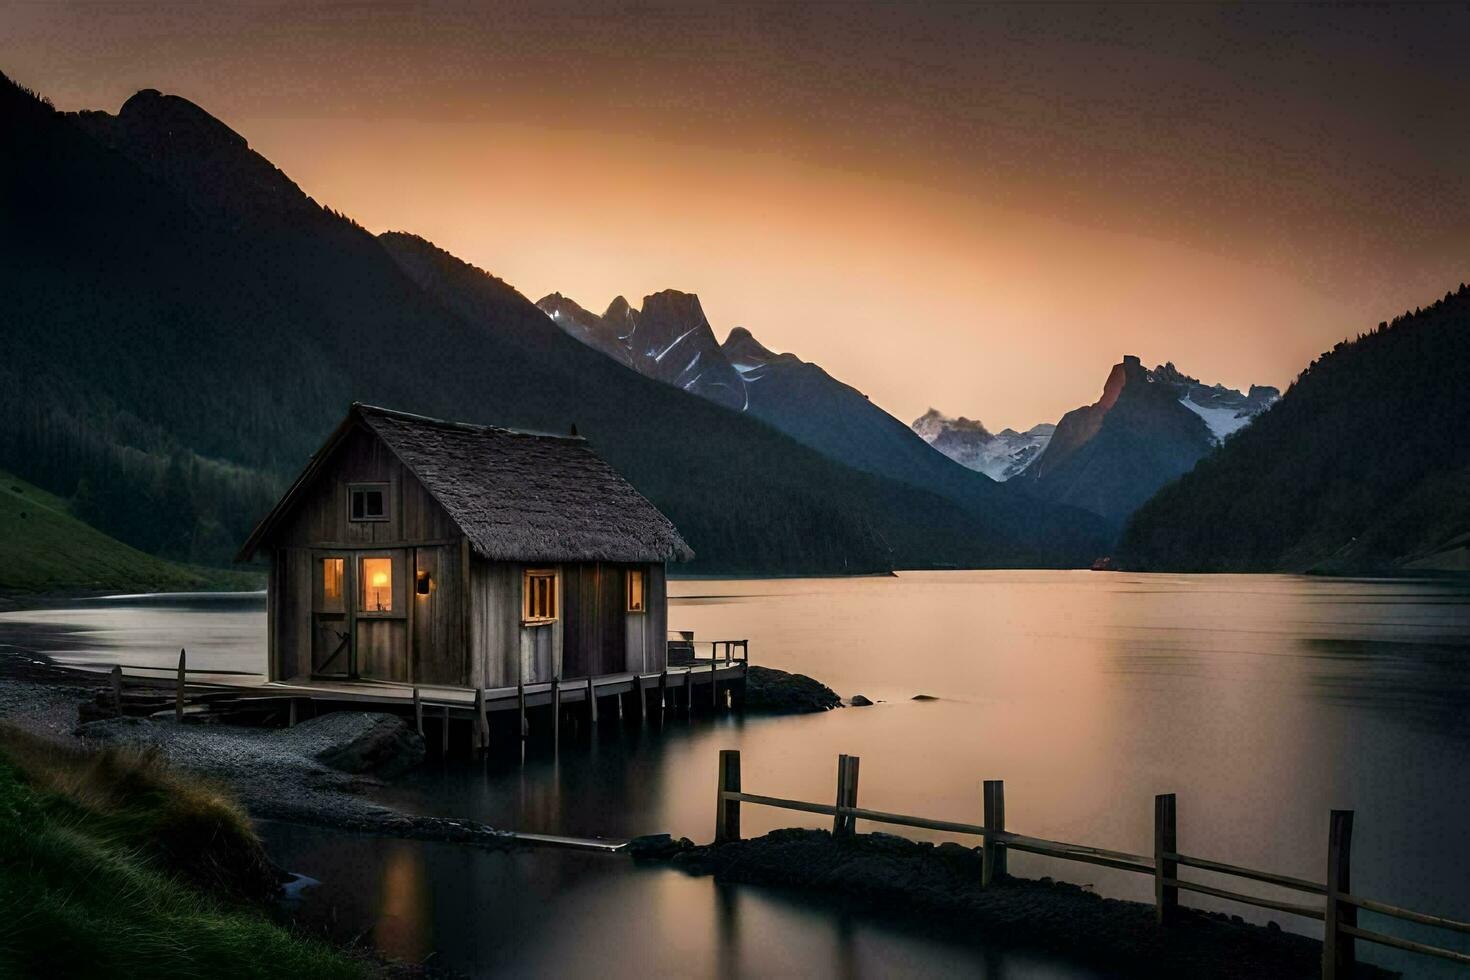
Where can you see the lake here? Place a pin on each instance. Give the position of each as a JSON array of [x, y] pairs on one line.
[[1262, 701]]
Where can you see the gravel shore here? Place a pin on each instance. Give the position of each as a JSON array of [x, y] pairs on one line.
[[276, 773]]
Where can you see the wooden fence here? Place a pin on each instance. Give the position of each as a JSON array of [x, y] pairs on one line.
[[1339, 911]]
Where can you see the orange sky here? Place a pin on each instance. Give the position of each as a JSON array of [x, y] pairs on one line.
[[979, 210]]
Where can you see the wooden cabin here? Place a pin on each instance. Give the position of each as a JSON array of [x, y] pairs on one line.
[[418, 551]]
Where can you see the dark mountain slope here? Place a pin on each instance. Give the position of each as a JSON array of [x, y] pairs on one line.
[[183, 325], [1111, 456], [1363, 465]]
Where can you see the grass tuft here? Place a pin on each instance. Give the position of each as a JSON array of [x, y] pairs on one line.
[[111, 864]]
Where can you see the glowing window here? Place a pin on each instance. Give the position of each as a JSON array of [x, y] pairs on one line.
[[332, 569], [367, 502], [635, 590], [538, 596], [377, 585]]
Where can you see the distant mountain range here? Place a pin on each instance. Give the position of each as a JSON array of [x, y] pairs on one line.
[[184, 325], [1363, 466], [1147, 429], [999, 455], [670, 339]]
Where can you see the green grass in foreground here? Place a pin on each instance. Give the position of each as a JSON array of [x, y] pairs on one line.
[[113, 866], [43, 548]]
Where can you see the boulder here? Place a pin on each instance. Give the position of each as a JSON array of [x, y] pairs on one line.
[[359, 742], [771, 691], [858, 701]]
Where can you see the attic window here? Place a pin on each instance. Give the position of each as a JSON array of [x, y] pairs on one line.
[[637, 601], [538, 596], [367, 502]]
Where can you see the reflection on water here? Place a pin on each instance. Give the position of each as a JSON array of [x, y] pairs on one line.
[[143, 633], [571, 914], [1263, 701]]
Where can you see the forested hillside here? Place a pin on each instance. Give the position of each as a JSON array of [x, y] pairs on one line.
[[1364, 465], [184, 326]]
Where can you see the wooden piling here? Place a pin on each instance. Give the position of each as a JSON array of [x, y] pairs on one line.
[[844, 824], [663, 691], [591, 701], [1339, 954], [418, 713], [556, 711], [642, 698], [993, 852], [727, 812], [714, 685], [444, 733], [482, 723], [291, 713], [1166, 841], [116, 678], [521, 708], [179, 691]]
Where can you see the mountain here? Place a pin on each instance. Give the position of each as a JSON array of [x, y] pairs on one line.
[[806, 403], [1362, 466], [1147, 429], [669, 339], [999, 455], [184, 325]]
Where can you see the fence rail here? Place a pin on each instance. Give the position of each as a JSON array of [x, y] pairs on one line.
[[1338, 913]]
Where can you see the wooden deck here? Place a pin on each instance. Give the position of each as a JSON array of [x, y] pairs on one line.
[[462, 701], [713, 684]]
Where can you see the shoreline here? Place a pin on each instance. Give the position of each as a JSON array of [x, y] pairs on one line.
[[896, 877]]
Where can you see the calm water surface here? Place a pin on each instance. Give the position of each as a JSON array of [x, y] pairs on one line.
[[1262, 701]]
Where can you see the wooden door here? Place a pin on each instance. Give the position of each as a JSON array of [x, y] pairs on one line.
[[331, 602], [593, 628]]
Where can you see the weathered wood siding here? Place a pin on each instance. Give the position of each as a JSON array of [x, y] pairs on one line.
[[289, 601], [422, 639], [495, 624], [440, 655], [647, 633], [321, 520]]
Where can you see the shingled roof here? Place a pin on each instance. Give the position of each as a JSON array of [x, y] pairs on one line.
[[519, 496]]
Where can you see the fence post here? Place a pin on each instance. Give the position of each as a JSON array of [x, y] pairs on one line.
[[179, 691], [1339, 955], [994, 851], [727, 812], [847, 783], [1166, 841], [482, 723]]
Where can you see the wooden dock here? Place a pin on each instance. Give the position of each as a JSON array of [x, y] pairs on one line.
[[529, 710]]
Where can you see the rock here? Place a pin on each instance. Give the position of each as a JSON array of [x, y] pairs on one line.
[[360, 742], [770, 691], [858, 701], [923, 697]]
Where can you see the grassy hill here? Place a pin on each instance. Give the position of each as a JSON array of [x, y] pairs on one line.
[[43, 548]]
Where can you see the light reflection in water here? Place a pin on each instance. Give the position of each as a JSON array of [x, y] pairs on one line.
[[404, 905]]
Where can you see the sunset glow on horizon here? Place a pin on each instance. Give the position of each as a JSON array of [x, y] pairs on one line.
[[916, 241]]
